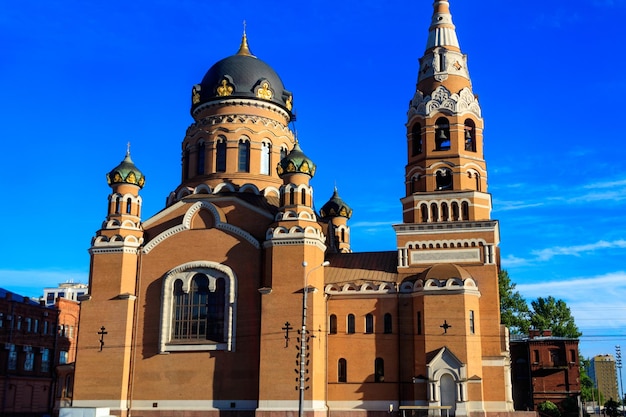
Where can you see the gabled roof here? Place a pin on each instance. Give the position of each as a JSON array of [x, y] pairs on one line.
[[362, 266]]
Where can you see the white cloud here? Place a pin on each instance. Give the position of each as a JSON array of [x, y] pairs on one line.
[[577, 250], [596, 303], [512, 261]]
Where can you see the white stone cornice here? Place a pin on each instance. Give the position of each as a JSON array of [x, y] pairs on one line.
[[443, 100], [186, 225]]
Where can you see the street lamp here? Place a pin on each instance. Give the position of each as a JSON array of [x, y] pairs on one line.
[[305, 291], [618, 362]]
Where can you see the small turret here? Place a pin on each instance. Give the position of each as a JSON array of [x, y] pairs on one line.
[[337, 213]]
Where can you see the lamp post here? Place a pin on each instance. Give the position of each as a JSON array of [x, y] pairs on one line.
[[618, 362], [305, 291]]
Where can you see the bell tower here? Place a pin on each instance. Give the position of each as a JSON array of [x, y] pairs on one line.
[[447, 243], [446, 173]]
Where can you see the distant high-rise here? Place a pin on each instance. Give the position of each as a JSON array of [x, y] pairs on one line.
[[603, 374]]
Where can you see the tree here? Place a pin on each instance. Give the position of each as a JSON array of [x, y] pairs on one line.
[[611, 408], [548, 408], [514, 312], [553, 314]]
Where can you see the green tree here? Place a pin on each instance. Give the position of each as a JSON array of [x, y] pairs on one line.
[[611, 408], [553, 314], [548, 408], [514, 312]]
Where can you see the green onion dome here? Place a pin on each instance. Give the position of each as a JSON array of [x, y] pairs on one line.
[[126, 173], [296, 162], [335, 207]]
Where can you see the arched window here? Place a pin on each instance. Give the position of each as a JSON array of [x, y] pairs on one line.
[[388, 323], [129, 205], [199, 313], [444, 179], [465, 210], [369, 323], [220, 155], [419, 322], [416, 139], [332, 324], [266, 153], [455, 212], [445, 214], [200, 158], [350, 324], [292, 198], [343, 235], [379, 370], [424, 212], [477, 179], [434, 212], [244, 156], [118, 205], [342, 370], [470, 135], [442, 134], [303, 198], [283, 152]]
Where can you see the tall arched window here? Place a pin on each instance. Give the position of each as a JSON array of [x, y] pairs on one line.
[[332, 324], [445, 214], [244, 156], [444, 179], [266, 152], [419, 322], [416, 139], [388, 323], [350, 324], [129, 205], [198, 314], [369, 323], [342, 370], [118, 205], [200, 158], [303, 198], [283, 152], [379, 370], [442, 134], [220, 155], [424, 212], [465, 210], [434, 212], [470, 135], [455, 212]]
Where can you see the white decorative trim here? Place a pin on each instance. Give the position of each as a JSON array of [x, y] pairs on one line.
[[441, 286], [186, 225], [295, 240], [451, 243], [443, 99], [186, 272], [364, 288], [238, 117]]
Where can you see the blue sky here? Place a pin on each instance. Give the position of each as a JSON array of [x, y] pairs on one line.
[[80, 79]]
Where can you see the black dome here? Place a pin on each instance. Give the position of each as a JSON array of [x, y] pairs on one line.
[[241, 76]]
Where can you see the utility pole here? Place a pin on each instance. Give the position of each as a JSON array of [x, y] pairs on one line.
[[618, 363]]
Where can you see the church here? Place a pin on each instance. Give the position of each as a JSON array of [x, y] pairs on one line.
[[239, 299]]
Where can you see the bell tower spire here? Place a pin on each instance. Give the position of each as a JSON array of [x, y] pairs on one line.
[[446, 173]]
